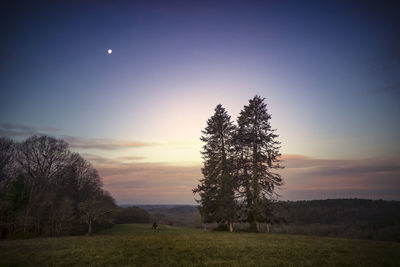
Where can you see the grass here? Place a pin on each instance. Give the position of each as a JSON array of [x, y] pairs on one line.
[[139, 245]]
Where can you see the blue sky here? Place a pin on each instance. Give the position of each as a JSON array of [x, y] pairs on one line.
[[329, 72]]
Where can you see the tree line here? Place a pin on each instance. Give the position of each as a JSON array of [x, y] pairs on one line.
[[240, 163], [45, 189], [350, 218]]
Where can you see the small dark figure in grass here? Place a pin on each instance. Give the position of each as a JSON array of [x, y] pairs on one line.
[[155, 226]]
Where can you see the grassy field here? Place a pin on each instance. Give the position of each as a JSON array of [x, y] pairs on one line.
[[139, 245]]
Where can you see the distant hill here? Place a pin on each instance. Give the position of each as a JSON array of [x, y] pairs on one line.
[[182, 215]]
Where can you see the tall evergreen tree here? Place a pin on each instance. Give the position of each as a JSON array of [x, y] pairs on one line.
[[216, 189], [257, 153]]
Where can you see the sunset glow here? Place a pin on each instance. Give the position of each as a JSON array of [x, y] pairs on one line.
[[330, 79]]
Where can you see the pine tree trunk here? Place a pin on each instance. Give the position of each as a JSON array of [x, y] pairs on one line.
[[230, 227]]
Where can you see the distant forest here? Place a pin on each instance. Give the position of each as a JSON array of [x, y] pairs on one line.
[[350, 218]]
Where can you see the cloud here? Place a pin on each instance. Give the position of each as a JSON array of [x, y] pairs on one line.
[[150, 182], [50, 129], [101, 143], [305, 178], [135, 182], [129, 158], [303, 161], [311, 178], [102, 161], [327, 167], [130, 180], [19, 130], [293, 156], [23, 131]]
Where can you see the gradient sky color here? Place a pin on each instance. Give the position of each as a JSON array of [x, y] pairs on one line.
[[329, 71]]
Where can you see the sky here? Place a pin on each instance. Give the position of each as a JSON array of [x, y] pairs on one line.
[[329, 72]]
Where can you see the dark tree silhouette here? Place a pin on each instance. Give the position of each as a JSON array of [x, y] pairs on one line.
[[257, 153], [96, 208], [7, 153], [216, 189], [41, 159], [48, 190]]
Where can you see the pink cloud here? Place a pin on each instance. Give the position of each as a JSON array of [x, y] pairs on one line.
[[305, 178]]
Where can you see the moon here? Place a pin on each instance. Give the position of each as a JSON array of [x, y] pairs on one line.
[[109, 51]]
